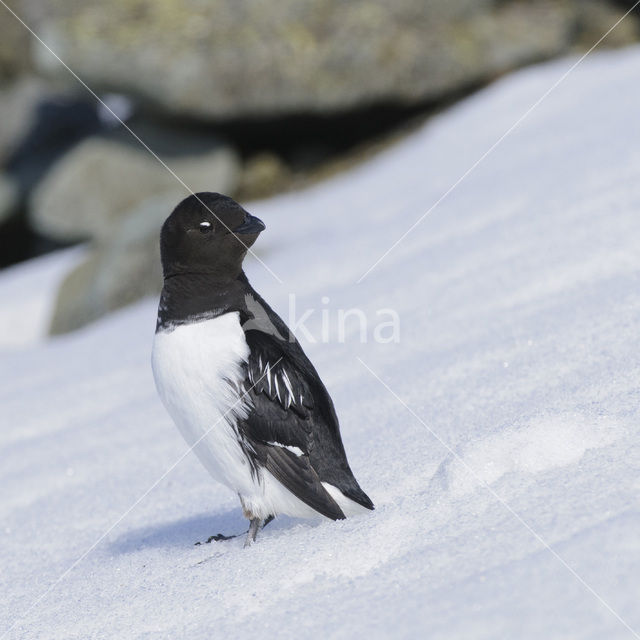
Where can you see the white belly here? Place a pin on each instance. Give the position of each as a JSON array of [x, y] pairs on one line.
[[195, 367]]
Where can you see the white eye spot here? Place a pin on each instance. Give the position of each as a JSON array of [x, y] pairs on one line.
[[205, 227]]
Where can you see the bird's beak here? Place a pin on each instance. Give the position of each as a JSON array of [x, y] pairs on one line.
[[251, 224]]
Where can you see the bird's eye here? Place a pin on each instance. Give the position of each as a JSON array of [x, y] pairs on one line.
[[205, 227]]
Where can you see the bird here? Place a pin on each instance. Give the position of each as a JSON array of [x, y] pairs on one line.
[[236, 381]]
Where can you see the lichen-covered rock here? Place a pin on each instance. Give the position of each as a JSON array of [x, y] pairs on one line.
[[91, 190], [231, 58]]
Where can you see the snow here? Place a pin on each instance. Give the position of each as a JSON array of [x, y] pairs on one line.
[[28, 292], [498, 437]]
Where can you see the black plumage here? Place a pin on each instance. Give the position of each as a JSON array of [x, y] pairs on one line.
[[292, 406]]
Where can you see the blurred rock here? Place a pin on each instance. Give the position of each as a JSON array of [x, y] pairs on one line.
[[626, 4], [119, 196], [595, 18], [239, 63], [92, 189], [14, 42], [263, 175], [57, 124], [225, 58], [168, 137], [8, 197], [18, 101], [119, 271]]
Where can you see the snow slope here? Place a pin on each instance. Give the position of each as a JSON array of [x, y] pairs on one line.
[[503, 455], [28, 293]]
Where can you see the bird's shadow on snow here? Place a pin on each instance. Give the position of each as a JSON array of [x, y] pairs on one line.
[[186, 532]]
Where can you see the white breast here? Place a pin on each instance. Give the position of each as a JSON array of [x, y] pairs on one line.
[[197, 368], [198, 372]]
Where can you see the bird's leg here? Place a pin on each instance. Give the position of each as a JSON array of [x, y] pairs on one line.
[[254, 526]]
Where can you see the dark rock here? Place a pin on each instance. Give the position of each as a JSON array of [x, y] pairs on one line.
[[18, 101], [595, 18], [57, 125], [8, 198]]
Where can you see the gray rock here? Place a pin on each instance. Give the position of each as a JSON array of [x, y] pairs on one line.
[[94, 187], [230, 58], [118, 272], [14, 42]]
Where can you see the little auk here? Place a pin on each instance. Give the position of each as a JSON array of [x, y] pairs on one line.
[[236, 381]]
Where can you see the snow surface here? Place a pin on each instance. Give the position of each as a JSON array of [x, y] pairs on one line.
[[28, 293], [519, 300]]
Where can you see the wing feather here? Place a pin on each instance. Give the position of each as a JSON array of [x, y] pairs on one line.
[[291, 407]]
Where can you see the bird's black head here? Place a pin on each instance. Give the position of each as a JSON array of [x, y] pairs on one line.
[[207, 233]]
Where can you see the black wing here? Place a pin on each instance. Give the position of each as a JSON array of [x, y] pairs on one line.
[[292, 426]]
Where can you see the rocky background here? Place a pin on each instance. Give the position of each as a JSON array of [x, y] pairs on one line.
[[238, 96]]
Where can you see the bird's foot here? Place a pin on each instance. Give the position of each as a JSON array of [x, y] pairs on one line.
[[220, 537]]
